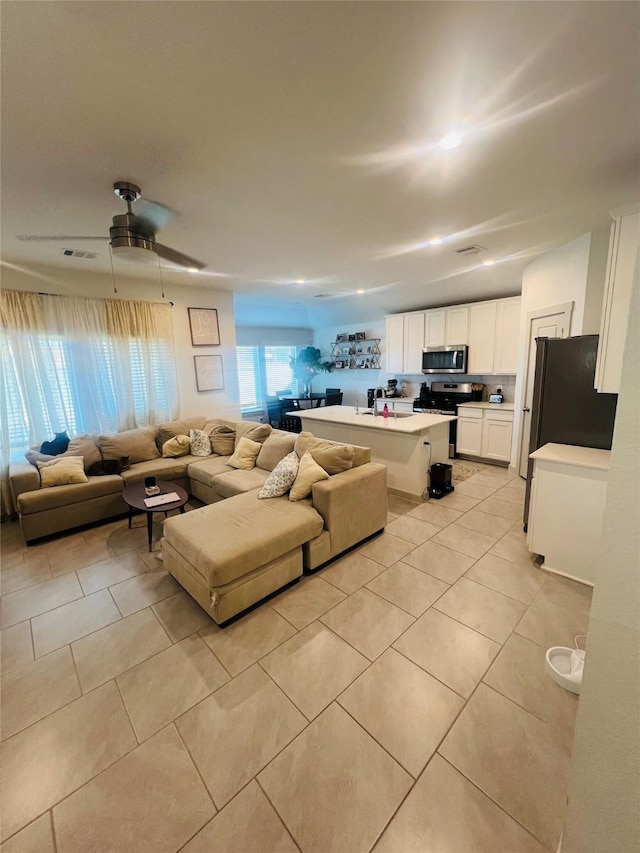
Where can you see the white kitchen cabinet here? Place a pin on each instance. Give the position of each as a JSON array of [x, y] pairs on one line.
[[482, 338], [507, 337], [456, 325], [623, 248], [434, 328], [413, 343], [394, 344], [485, 431], [568, 496], [496, 438], [469, 431]]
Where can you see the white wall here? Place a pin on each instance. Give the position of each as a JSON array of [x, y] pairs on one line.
[[574, 273], [83, 282], [603, 811]]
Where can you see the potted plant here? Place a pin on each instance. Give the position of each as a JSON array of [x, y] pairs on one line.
[[306, 365]]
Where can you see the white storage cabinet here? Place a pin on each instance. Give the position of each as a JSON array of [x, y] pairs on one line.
[[485, 432]]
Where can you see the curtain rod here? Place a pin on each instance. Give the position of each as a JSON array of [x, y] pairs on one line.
[[63, 296]]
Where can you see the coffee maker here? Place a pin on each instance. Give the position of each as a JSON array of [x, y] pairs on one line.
[[372, 393]]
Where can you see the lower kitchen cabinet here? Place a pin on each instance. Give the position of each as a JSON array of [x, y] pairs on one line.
[[568, 496], [485, 432]]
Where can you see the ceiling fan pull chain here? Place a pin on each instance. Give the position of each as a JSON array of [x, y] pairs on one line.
[[113, 275], [161, 279]]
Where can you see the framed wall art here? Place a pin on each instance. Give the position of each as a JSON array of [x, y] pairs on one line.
[[209, 375], [203, 323]]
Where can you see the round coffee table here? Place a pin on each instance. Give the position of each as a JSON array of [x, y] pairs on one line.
[[134, 495]]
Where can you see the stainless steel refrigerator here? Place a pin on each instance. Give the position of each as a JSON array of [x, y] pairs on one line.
[[566, 408]]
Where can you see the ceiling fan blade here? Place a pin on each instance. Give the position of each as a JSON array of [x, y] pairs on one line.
[[40, 238], [156, 216], [178, 258]]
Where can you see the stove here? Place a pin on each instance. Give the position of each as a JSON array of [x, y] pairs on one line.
[[444, 399]]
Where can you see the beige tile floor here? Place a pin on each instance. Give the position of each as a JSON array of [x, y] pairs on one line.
[[394, 701]]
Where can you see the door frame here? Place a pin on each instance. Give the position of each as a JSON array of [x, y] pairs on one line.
[[527, 379]]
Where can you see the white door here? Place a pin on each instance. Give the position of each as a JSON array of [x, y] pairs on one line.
[[552, 322]]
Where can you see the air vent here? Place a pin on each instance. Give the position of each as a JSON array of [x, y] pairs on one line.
[[470, 250], [320, 295], [79, 253]]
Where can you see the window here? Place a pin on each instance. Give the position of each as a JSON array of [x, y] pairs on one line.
[[262, 372]]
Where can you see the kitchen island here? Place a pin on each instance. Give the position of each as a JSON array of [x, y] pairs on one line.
[[406, 443]]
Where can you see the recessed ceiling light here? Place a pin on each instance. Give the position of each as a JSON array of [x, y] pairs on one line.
[[451, 140], [300, 281], [435, 241], [360, 290], [488, 263], [192, 269]]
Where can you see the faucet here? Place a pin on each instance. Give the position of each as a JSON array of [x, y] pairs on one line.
[[358, 395]]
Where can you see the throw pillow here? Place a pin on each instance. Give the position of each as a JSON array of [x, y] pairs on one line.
[[222, 438], [61, 471], [334, 458], [171, 429], [34, 456], [309, 473], [138, 444], [245, 454], [108, 466], [200, 444], [179, 445], [85, 445], [58, 445], [281, 478]]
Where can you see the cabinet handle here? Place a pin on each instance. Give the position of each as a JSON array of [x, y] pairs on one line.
[[526, 409]]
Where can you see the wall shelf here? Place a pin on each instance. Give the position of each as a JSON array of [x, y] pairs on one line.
[[363, 354]]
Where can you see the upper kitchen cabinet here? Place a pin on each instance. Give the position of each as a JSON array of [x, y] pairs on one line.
[[457, 325], [623, 247], [507, 336], [482, 337], [413, 342], [394, 345], [434, 328]]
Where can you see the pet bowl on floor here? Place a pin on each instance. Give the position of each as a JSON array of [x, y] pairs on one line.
[[565, 666]]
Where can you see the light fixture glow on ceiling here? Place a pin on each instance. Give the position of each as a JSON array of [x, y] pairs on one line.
[[360, 290], [300, 281], [451, 140], [192, 269], [488, 263], [435, 241]]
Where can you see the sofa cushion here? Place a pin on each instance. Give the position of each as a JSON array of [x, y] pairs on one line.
[[109, 466], [200, 444], [245, 454], [237, 481], [85, 445], [278, 445], [222, 438], [309, 473], [40, 500], [334, 458], [281, 478], [179, 445], [204, 470], [164, 469], [62, 471], [253, 431], [172, 428], [138, 444], [249, 533]]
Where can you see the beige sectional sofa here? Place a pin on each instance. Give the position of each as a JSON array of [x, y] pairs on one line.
[[239, 548]]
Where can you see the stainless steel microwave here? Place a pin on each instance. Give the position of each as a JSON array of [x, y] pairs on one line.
[[445, 359]]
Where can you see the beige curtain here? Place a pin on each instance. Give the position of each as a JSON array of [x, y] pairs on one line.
[[82, 365]]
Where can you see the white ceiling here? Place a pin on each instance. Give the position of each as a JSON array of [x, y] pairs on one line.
[[298, 139]]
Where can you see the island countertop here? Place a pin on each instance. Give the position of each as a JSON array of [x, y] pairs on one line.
[[400, 423]]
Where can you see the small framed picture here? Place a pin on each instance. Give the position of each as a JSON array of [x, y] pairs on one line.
[[360, 336], [339, 365], [341, 338], [359, 350], [209, 375], [369, 350], [203, 323], [352, 337]]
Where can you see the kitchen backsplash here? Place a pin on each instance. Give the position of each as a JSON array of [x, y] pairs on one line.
[[507, 384]]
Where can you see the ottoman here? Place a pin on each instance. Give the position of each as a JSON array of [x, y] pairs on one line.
[[233, 553]]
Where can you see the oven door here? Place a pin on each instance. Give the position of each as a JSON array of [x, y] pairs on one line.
[[451, 359]]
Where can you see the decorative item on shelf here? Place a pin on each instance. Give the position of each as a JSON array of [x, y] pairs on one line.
[[307, 364], [355, 354]]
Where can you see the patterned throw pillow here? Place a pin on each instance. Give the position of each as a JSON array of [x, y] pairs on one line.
[[281, 478], [200, 444]]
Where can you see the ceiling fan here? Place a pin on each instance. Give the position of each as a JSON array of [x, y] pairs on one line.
[[133, 235]]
